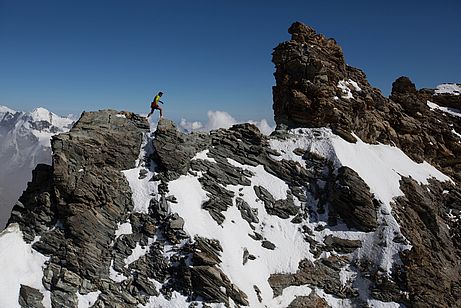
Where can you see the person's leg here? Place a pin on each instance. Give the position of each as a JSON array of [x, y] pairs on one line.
[[161, 111], [151, 111]]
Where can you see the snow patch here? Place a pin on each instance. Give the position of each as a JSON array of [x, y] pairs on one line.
[[451, 111], [87, 300], [176, 301], [138, 252], [20, 264], [313, 140], [290, 249], [448, 88], [334, 301], [204, 156], [114, 275], [456, 133], [124, 228], [41, 114], [277, 187], [382, 166], [289, 294], [347, 86], [142, 189]]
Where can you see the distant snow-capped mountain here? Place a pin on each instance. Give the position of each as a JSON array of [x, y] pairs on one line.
[[24, 143]]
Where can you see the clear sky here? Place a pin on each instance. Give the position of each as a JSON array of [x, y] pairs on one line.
[[69, 56]]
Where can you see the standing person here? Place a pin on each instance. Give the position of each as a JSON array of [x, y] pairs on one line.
[[154, 105]]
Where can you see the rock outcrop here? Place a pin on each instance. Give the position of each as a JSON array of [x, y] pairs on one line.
[[433, 265], [75, 205], [316, 88], [350, 196]]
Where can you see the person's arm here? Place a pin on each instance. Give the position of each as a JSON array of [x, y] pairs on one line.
[[160, 102]]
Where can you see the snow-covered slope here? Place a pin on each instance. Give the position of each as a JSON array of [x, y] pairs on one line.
[[228, 219], [381, 166], [24, 143]]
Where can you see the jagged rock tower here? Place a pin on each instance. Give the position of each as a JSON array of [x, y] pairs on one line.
[[315, 88]]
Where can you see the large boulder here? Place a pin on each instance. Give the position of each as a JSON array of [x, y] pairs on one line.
[[175, 149], [350, 197]]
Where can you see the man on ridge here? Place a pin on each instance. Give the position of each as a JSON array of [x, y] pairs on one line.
[[154, 105]]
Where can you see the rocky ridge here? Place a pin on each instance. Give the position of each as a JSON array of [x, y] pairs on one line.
[[74, 206], [316, 88], [130, 218]]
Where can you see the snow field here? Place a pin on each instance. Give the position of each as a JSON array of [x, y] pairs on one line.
[[20, 264], [4, 109], [233, 235], [381, 167]]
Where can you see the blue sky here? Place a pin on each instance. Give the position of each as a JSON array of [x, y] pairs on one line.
[[70, 56]]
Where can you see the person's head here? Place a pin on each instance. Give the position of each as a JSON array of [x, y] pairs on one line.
[[160, 93]]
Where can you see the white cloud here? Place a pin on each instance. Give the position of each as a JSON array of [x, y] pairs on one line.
[[263, 126], [190, 126], [221, 119]]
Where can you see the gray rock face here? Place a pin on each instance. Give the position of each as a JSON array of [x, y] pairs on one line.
[[324, 274], [281, 208], [75, 205], [433, 265], [30, 297], [175, 149], [341, 245], [350, 196], [311, 301]]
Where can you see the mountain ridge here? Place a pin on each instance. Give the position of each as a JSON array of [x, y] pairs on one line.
[[316, 88], [325, 212], [24, 142]]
